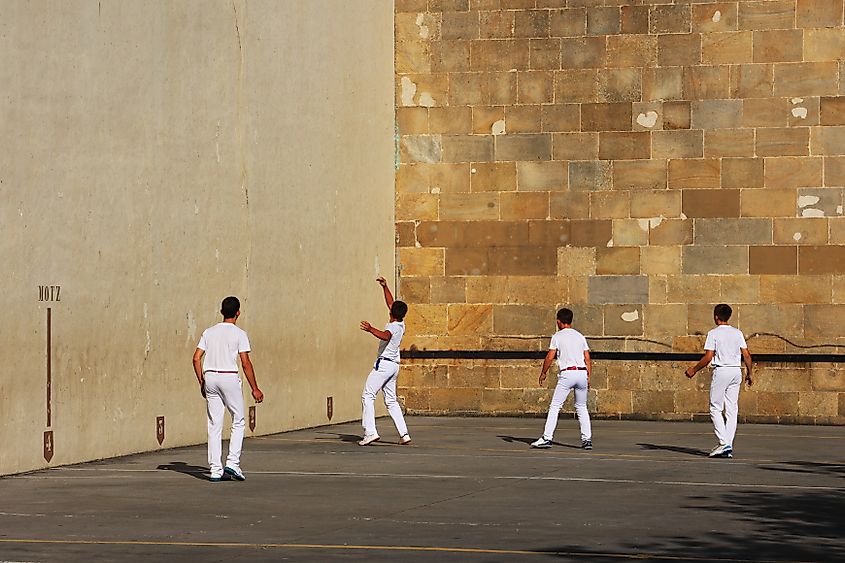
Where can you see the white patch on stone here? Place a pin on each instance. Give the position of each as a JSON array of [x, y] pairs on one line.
[[800, 113], [652, 222], [630, 316], [643, 223], [498, 128], [192, 327], [427, 100], [811, 212], [435, 190], [807, 200], [196, 209], [797, 101], [717, 16], [409, 90], [610, 243], [377, 267], [647, 119], [683, 216], [146, 311], [473, 171], [796, 237], [421, 24], [839, 210]]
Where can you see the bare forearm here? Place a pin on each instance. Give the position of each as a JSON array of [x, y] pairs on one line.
[[249, 372], [388, 296], [547, 363], [198, 369]]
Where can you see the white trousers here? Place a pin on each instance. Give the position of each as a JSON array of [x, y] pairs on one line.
[[567, 380], [223, 391], [724, 395], [383, 377]]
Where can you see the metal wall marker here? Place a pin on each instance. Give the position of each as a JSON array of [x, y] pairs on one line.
[[252, 419], [48, 445], [160, 429]]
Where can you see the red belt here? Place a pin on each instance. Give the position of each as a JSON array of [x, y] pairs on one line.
[[574, 368], [215, 371]]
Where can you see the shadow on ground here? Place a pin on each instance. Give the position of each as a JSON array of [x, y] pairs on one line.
[[789, 527], [181, 467], [515, 439], [678, 449]]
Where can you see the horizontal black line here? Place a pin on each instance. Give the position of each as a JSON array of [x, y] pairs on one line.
[[596, 355]]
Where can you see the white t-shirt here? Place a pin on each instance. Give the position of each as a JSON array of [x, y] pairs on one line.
[[222, 343], [570, 345], [726, 342], [390, 348]]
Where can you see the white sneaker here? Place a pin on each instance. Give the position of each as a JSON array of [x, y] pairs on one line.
[[541, 443], [369, 440], [405, 440], [718, 450]]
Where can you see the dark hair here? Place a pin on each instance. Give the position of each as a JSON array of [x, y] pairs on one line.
[[722, 312], [565, 316], [398, 310], [230, 307]]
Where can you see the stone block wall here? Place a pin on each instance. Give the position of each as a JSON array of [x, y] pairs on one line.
[[638, 161]]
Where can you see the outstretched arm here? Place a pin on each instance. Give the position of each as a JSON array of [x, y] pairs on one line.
[[388, 297], [380, 334], [705, 359]]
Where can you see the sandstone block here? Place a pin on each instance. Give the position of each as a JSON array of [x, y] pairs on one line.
[[623, 320], [773, 260], [832, 110], [660, 260], [742, 172], [752, 80], [406, 233], [450, 120], [671, 232], [412, 178], [710, 203], [487, 289], [590, 175], [523, 147], [606, 117], [603, 21], [614, 402], [452, 178], [589, 319], [618, 289], [714, 17], [820, 260], [740, 289], [653, 401], [655, 203], [817, 404], [496, 88], [625, 146], [459, 25], [576, 261], [786, 141], [716, 114], [823, 44], [726, 231], [496, 24], [803, 112], [789, 319], [411, 6], [692, 401], [575, 146], [677, 144], [412, 120], [635, 19], [560, 117], [523, 260], [777, 403], [469, 319], [819, 13], [765, 112], [465, 88], [542, 176], [570, 22], [467, 148], [474, 206], [618, 260], [661, 321], [522, 119], [535, 87], [524, 205], [499, 54], [647, 116], [805, 79], [631, 50], [426, 319], [822, 320], [775, 14], [415, 290], [828, 379], [707, 82], [792, 172], [778, 45], [493, 176], [466, 262], [827, 140], [715, 260], [412, 57], [421, 148], [679, 50], [630, 232], [795, 289], [531, 23], [548, 233], [484, 118], [421, 261], [537, 290], [594, 232], [663, 83], [639, 174], [522, 319], [457, 400], [695, 173], [576, 86], [570, 205], [729, 142], [609, 205], [811, 231], [676, 115], [582, 52], [448, 290], [410, 207], [670, 19], [727, 47], [450, 56], [620, 85]]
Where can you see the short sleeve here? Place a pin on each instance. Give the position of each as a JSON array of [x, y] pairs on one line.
[[553, 343], [742, 343], [584, 341], [202, 345], [243, 343], [710, 342]]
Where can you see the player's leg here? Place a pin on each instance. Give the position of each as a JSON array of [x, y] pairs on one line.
[[233, 398], [718, 385], [368, 402], [564, 384], [215, 411], [393, 407], [581, 409], [732, 406]]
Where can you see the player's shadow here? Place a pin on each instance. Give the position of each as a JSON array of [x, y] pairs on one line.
[[195, 471], [342, 437], [837, 470], [678, 449], [514, 439]]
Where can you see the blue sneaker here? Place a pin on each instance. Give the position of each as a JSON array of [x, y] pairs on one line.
[[541, 443], [728, 451], [235, 474], [215, 479]]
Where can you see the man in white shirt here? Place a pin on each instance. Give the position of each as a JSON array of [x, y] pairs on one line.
[[385, 372], [725, 347], [573, 356], [216, 368]]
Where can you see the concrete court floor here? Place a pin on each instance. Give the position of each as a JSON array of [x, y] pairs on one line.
[[468, 489]]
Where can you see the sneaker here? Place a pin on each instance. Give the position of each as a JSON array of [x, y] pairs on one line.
[[587, 444], [719, 450], [405, 440], [215, 478], [235, 474], [541, 443], [369, 440]]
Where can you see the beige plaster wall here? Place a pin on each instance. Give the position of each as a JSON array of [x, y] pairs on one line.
[[158, 156]]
